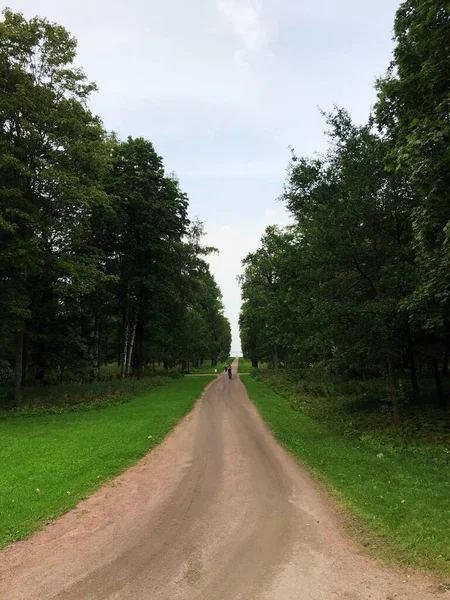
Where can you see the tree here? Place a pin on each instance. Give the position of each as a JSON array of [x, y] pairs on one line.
[[412, 112], [205, 332], [331, 288], [50, 161], [266, 312], [151, 220]]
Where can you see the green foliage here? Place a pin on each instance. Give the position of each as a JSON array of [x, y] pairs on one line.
[[412, 112], [50, 462], [359, 285], [395, 496], [99, 262], [265, 313], [205, 332], [51, 161], [362, 408], [244, 365]]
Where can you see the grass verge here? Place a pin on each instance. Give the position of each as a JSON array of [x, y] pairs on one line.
[[49, 463], [397, 500], [244, 365]]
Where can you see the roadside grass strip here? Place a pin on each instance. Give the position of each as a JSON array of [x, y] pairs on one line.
[[397, 502], [244, 365], [50, 462]]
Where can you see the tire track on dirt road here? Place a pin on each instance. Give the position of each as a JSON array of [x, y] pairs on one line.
[[219, 511]]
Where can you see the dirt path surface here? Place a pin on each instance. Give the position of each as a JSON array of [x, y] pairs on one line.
[[217, 512]]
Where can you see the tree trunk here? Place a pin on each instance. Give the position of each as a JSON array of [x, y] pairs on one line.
[[437, 379], [275, 359], [445, 363], [255, 363], [412, 362], [447, 353], [125, 348], [166, 365], [96, 344], [18, 367], [392, 380], [24, 359], [131, 347], [140, 349]]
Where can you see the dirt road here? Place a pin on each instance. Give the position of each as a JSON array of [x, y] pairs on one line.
[[217, 512]]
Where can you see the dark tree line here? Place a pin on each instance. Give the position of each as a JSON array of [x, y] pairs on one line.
[[98, 259], [360, 284]]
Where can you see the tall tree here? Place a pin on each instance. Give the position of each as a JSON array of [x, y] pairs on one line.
[[50, 161], [412, 111], [151, 220], [331, 288]]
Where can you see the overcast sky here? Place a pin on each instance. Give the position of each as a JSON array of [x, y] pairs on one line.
[[223, 88]]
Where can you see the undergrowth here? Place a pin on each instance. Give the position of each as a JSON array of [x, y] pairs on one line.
[[75, 397]]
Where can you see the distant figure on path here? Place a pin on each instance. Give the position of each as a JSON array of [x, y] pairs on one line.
[[230, 375]]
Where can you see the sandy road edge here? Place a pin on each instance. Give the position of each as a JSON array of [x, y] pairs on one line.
[[112, 480], [366, 541]]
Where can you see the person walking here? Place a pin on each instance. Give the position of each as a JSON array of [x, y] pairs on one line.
[[230, 374]]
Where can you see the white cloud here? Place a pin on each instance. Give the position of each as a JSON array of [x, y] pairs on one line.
[[270, 212], [232, 168], [243, 18], [165, 71]]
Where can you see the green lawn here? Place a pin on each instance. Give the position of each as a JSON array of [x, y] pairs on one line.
[[399, 498], [244, 365], [49, 463]]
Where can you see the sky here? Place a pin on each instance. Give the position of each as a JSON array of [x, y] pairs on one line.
[[223, 88]]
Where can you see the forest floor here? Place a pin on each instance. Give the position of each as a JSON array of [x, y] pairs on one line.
[[218, 510]]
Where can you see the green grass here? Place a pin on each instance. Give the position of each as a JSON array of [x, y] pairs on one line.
[[397, 500], [245, 365], [208, 368], [82, 395], [50, 462]]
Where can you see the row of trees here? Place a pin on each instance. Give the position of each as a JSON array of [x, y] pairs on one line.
[[98, 259], [360, 284]]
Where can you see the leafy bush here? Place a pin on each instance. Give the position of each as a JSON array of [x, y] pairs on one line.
[[6, 373], [362, 408]]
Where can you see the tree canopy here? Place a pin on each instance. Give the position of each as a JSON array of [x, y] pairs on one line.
[[99, 260], [359, 284]]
